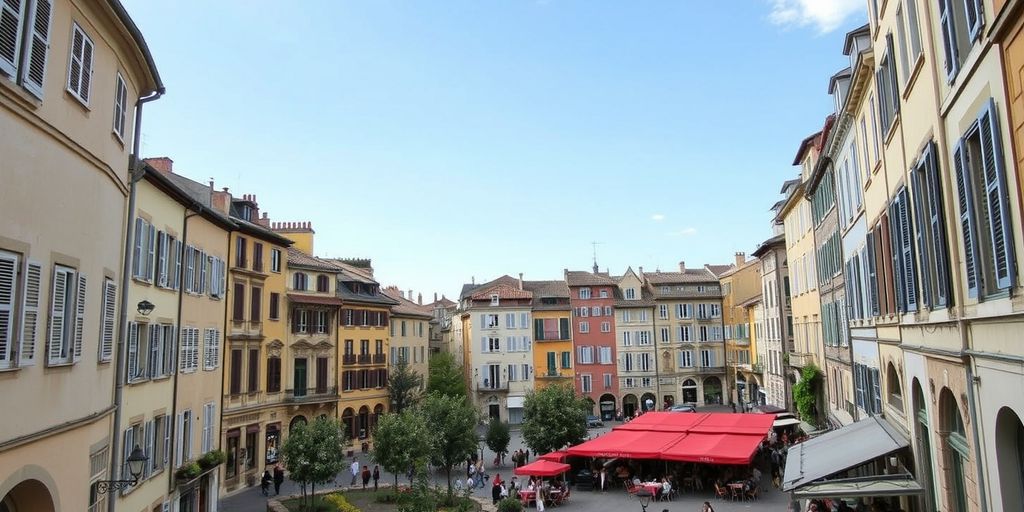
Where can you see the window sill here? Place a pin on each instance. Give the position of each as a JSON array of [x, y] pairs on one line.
[[11, 89], [146, 282], [118, 138], [890, 132], [877, 167], [914, 73], [11, 369], [78, 101]]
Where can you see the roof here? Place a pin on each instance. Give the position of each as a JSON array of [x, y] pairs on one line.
[[133, 30], [468, 288], [718, 270], [314, 299], [804, 146], [750, 302], [548, 290], [851, 35], [503, 291], [261, 232], [762, 249], [406, 307], [646, 299], [160, 181], [867, 486], [444, 302], [542, 467], [786, 185], [845, 73], [301, 259], [350, 273], [840, 450], [580, 278], [697, 275]]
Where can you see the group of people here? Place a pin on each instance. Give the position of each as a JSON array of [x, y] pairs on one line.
[[277, 479], [520, 457], [365, 474]]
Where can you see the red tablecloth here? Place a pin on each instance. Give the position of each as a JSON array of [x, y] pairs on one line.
[[653, 488]]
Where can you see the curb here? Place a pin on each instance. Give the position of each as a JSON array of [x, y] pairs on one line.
[[274, 504]]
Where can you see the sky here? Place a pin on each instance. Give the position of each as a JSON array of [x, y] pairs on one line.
[[452, 140]]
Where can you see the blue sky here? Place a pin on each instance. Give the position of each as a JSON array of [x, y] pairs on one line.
[[455, 139]]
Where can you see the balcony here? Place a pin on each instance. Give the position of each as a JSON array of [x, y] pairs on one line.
[[800, 359], [348, 359], [380, 358], [707, 318], [365, 358], [553, 336], [757, 368], [710, 369], [246, 329], [489, 387], [254, 400], [311, 395], [551, 374]]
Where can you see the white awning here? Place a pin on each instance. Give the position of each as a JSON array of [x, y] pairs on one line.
[[785, 422], [895, 485], [840, 450], [515, 402]]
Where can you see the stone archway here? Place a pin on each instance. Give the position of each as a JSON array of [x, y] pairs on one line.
[[648, 401], [1010, 456], [29, 496], [630, 405], [607, 407], [689, 391], [741, 388], [712, 390]]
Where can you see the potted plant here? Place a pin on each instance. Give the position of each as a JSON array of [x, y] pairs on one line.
[[212, 459], [188, 471]]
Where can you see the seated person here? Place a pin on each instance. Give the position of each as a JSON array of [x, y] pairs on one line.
[[636, 480], [666, 486]]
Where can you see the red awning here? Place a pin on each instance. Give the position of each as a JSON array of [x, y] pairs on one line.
[[555, 456], [542, 468], [633, 444], [729, 423], [664, 421], [714, 448]]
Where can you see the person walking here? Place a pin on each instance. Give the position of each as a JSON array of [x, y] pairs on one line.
[[366, 476], [355, 471], [496, 492], [376, 476], [278, 479], [265, 482]]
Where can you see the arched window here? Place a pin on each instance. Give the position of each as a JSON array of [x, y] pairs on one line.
[[300, 281], [1010, 456], [322, 284], [378, 411], [689, 391], [955, 450], [296, 421], [894, 393], [364, 422], [347, 417]]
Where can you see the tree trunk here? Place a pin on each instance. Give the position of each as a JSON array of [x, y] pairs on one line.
[[448, 471], [312, 495]]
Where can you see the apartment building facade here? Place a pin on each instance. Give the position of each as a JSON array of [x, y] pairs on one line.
[[637, 355], [410, 332], [552, 333], [61, 275], [741, 284], [592, 298], [777, 336]]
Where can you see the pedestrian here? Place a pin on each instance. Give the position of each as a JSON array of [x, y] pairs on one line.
[[707, 507], [355, 471], [278, 479], [376, 476], [265, 482], [526, 456], [470, 484], [604, 474], [366, 476], [495, 492]]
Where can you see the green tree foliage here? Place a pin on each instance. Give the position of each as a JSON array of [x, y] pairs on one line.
[[805, 393], [403, 387], [445, 377], [510, 505], [553, 418], [452, 425], [313, 454], [401, 440], [498, 437]]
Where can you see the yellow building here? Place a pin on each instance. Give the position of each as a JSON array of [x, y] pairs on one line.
[[254, 407], [64, 142], [740, 284], [552, 335], [410, 333], [364, 344]]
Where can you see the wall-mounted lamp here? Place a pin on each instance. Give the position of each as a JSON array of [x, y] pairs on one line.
[[146, 307], [136, 460]]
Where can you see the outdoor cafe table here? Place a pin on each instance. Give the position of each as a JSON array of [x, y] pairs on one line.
[[653, 487], [527, 496]]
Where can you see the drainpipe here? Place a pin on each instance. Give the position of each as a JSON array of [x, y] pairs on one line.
[[134, 175], [972, 381], [174, 393]]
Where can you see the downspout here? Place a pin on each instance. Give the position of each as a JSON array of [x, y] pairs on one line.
[[136, 172], [174, 394], [972, 381]]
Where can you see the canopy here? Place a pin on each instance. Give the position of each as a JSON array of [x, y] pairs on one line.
[[714, 448], [555, 456], [542, 468], [785, 422], [840, 450], [882, 485], [753, 424], [632, 444], [664, 421]]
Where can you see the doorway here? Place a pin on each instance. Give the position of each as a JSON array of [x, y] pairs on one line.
[[494, 412]]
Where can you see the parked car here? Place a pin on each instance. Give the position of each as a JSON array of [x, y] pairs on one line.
[[594, 422], [682, 408]]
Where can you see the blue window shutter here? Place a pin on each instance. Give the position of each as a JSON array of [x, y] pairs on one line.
[[966, 201], [872, 274], [921, 223], [906, 253], [995, 193], [895, 254], [949, 38], [937, 227], [974, 15]]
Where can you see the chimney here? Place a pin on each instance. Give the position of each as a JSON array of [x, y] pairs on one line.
[[741, 258], [520, 280], [161, 163], [221, 201], [264, 220], [682, 266], [409, 296], [435, 296], [472, 280], [419, 299], [641, 271]]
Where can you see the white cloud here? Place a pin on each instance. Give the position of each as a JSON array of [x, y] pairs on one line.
[[658, 217], [688, 231], [825, 15]]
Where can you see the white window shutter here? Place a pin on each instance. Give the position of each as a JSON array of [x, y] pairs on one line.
[[109, 316], [151, 254], [167, 442], [38, 42], [126, 450], [161, 274], [178, 444], [177, 264], [30, 313], [8, 298], [81, 292], [132, 368], [10, 35], [194, 362], [137, 250], [55, 344], [147, 449]]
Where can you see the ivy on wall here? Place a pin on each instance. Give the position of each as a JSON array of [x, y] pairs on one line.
[[805, 393]]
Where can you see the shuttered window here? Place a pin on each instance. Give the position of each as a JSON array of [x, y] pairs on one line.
[[254, 370], [120, 106], [209, 417], [80, 65], [930, 232], [273, 374], [903, 253], [9, 263], [24, 40], [211, 349], [235, 384], [107, 320], [30, 302], [238, 309], [62, 317], [11, 23]]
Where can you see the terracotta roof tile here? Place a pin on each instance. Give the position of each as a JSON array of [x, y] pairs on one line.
[[580, 278], [503, 291]]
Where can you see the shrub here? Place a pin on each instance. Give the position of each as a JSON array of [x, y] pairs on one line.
[[188, 471], [339, 503], [212, 458], [510, 505]]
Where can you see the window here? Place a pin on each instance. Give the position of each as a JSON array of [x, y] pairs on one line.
[[584, 293], [716, 311], [26, 29], [627, 315], [510, 321], [685, 333], [495, 300], [595, 311], [320, 322], [607, 311], [211, 349], [235, 382], [643, 338], [257, 256], [627, 339], [707, 358], [606, 327], [984, 208], [930, 230], [643, 315], [255, 305], [630, 293], [183, 441], [566, 359], [586, 354], [900, 241], [275, 305], [885, 82], [189, 347], [80, 65], [685, 358], [238, 307], [67, 316], [209, 421], [961, 22], [665, 335], [584, 327], [606, 355], [322, 284], [894, 392], [254, 370], [120, 106], [607, 381], [875, 134], [299, 281], [604, 293], [490, 321], [108, 314], [240, 252], [275, 260], [300, 321], [586, 383], [663, 311]]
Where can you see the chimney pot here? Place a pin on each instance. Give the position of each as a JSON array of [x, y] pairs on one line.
[[435, 296], [419, 299], [682, 266], [211, 183], [520, 280], [741, 258], [225, 189]]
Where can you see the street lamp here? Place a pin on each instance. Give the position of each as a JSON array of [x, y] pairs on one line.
[[145, 307], [136, 460], [644, 495]]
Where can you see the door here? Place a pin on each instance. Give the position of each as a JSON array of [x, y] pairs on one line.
[[300, 377], [494, 411]]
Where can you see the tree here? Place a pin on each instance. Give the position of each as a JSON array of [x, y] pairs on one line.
[[805, 393], [498, 437], [452, 426], [554, 418], [401, 440], [404, 386], [313, 454], [445, 377]]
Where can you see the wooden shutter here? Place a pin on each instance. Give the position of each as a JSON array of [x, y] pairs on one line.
[[8, 297], [30, 313], [194, 349], [238, 309], [80, 72], [161, 265], [1000, 229], [120, 105], [937, 228], [10, 34], [80, 295], [126, 451], [171, 343], [38, 41], [58, 305], [321, 374], [177, 264], [235, 384], [108, 318], [132, 368], [207, 348], [254, 370], [140, 226], [166, 421], [949, 38], [965, 191], [149, 444], [921, 223], [255, 303]]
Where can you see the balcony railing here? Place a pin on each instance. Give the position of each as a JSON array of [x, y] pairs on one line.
[[757, 368], [246, 328], [348, 359], [488, 386], [246, 399], [310, 394], [553, 336], [365, 358], [380, 358], [799, 359]]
